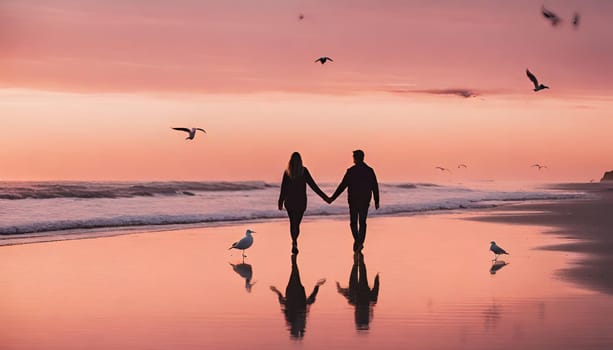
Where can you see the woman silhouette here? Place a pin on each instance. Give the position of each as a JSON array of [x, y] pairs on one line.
[[295, 303], [293, 195]]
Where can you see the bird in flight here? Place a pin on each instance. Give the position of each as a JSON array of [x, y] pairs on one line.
[[191, 132], [539, 166], [300, 17], [442, 169], [552, 17], [497, 250], [324, 59], [244, 242], [462, 166], [576, 20], [537, 86]]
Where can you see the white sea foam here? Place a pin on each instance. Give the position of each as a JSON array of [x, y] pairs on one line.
[[57, 207]]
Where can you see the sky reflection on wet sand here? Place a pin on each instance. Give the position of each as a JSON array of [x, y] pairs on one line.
[[177, 289]]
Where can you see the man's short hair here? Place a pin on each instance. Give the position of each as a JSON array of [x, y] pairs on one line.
[[358, 155]]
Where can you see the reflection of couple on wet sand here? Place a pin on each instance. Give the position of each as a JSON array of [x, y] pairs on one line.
[[359, 180], [295, 304]]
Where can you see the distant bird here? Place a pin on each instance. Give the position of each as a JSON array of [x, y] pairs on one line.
[[538, 166], [244, 242], [324, 59], [576, 20], [496, 250], [300, 17], [552, 17], [442, 169], [462, 166], [537, 86], [191, 132]]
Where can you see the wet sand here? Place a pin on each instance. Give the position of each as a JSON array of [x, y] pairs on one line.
[[184, 289], [586, 224]]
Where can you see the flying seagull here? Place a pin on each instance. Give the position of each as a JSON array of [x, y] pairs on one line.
[[496, 250], [300, 17], [324, 59], [462, 166], [537, 86], [552, 17], [576, 20], [442, 169], [244, 242], [191, 132], [539, 166]]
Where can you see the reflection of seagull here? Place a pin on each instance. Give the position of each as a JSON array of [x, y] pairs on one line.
[[539, 166], [576, 20], [191, 132], [442, 169], [496, 250], [244, 243], [246, 272], [324, 59], [537, 86], [497, 265], [462, 166], [552, 17]]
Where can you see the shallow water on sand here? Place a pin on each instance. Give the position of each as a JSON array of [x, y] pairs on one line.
[[178, 289]]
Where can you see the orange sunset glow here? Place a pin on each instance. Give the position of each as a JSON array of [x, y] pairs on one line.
[[90, 90]]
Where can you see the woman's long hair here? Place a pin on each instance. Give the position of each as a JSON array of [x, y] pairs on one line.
[[294, 166]]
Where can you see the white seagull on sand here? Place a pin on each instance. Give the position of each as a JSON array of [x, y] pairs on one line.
[[537, 86], [496, 250], [191, 132], [324, 59], [244, 242]]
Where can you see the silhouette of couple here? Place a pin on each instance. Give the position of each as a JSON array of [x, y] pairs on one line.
[[360, 180]]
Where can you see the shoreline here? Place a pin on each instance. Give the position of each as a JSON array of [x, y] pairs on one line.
[[582, 222], [585, 223], [103, 232]]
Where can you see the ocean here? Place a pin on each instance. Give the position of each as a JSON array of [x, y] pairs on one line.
[[57, 208]]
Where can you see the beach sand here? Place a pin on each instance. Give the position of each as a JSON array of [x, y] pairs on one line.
[[178, 289], [586, 224]]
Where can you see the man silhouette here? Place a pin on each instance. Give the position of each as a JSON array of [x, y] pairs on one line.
[[362, 185], [359, 294]]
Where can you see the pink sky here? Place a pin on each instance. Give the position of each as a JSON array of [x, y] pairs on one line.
[[90, 89]]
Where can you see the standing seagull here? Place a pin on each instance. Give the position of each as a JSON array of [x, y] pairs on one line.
[[539, 166], [191, 132], [537, 86], [324, 59], [552, 17], [496, 250], [244, 242]]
